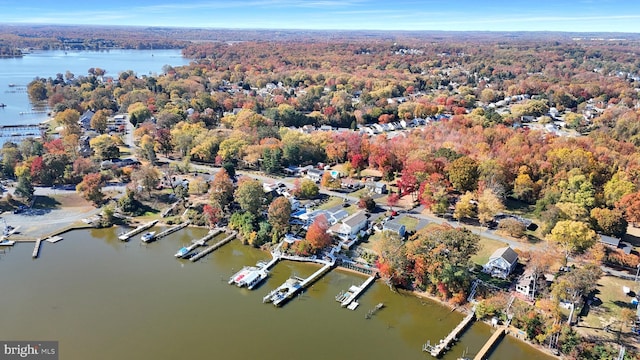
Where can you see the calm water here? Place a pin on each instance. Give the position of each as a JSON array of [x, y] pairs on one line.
[[104, 299], [45, 64]]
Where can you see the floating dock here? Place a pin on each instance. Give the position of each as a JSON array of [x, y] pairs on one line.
[[36, 248], [139, 229], [444, 344], [54, 239], [172, 230], [481, 355], [213, 247], [354, 291]]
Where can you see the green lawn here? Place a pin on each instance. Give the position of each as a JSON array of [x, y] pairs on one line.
[[487, 247], [609, 291], [332, 202], [409, 222]]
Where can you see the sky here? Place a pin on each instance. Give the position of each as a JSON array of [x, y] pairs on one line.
[[452, 15]]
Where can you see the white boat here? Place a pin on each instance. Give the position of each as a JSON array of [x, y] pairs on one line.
[[147, 237], [7, 243], [238, 277], [259, 276], [182, 252]]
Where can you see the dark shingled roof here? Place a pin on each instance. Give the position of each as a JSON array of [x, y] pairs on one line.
[[506, 253]]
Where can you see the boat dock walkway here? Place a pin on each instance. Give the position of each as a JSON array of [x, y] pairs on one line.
[[203, 241], [172, 230], [213, 247], [355, 291], [481, 355], [443, 345], [36, 248], [139, 229]]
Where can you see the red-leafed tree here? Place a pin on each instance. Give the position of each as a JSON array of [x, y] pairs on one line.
[[392, 200], [37, 166], [317, 235], [630, 204], [358, 162], [212, 214]]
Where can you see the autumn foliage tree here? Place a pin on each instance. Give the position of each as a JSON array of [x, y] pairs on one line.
[[630, 204], [91, 188], [221, 190], [317, 235], [279, 214]]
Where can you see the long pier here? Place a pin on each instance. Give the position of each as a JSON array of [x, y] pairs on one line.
[[213, 247], [440, 348], [481, 355], [36, 248], [171, 230], [292, 289], [139, 229], [201, 242], [355, 291]]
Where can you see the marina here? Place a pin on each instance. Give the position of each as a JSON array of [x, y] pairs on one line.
[[155, 309], [126, 236]]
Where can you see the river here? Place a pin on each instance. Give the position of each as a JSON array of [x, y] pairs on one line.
[[16, 73], [105, 299]]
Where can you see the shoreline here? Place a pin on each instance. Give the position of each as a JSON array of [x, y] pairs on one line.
[[463, 309]]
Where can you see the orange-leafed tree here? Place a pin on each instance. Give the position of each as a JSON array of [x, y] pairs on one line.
[[91, 187], [630, 204], [317, 235]]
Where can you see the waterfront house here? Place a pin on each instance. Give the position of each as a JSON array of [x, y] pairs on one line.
[[501, 263], [528, 282], [350, 226]]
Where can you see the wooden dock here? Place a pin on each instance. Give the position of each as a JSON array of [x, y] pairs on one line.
[[482, 354], [213, 247], [444, 344], [171, 230], [36, 248], [139, 229], [355, 291], [54, 239]]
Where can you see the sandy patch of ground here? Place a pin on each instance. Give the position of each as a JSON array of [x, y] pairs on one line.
[[50, 214]]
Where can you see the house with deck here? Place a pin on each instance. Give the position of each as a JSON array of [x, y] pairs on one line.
[[501, 263], [350, 227]]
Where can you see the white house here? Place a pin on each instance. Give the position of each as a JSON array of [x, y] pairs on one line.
[[315, 174], [501, 263], [350, 226]]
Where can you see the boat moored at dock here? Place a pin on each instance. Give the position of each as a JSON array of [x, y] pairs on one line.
[[149, 236]]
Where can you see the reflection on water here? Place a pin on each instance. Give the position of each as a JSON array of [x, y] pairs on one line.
[[105, 299]]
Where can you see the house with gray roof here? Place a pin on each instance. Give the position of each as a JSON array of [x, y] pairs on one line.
[[350, 226], [395, 227], [501, 263]]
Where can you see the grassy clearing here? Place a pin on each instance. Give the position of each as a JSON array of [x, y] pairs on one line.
[[409, 222], [332, 202], [487, 248]]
